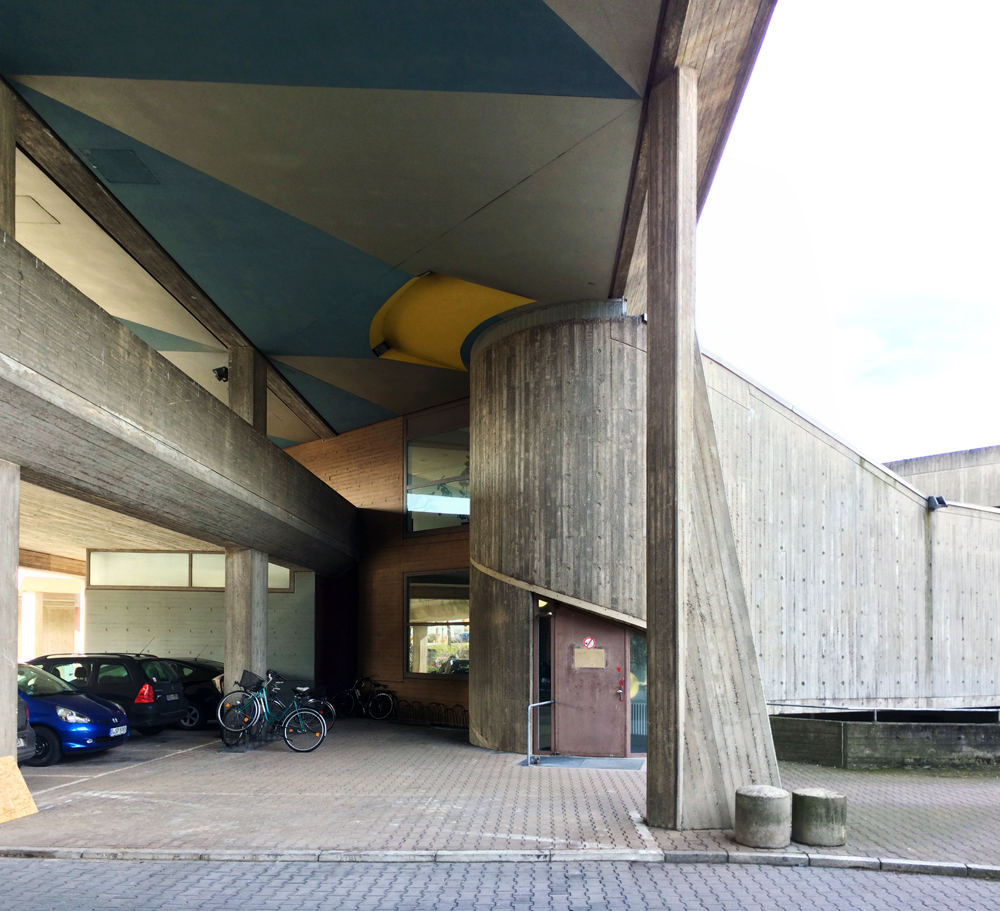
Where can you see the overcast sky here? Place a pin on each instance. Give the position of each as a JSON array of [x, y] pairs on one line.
[[848, 255]]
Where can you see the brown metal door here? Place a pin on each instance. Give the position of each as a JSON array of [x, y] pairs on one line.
[[589, 658]]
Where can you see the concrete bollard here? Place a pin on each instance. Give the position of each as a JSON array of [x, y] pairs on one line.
[[763, 816], [819, 817]]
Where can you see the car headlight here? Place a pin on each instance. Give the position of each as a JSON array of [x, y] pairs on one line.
[[71, 716]]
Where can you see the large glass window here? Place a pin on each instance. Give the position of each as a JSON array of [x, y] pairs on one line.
[[437, 480], [115, 569], [438, 623]]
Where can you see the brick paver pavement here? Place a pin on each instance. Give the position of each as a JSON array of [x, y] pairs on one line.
[[176, 886], [379, 786]]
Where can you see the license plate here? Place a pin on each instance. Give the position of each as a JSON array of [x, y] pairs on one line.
[[117, 732], [172, 696], [20, 742]]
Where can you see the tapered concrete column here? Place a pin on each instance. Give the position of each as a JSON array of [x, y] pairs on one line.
[[673, 216], [248, 386], [246, 613], [8, 144], [708, 726], [10, 480]]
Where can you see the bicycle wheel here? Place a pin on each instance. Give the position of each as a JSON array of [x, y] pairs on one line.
[[326, 709], [343, 703], [238, 711], [303, 730], [380, 707]]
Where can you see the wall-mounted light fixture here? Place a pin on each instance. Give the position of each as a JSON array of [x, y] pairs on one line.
[[936, 502], [221, 374], [381, 348]]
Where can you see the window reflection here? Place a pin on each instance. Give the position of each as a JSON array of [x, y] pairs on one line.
[[437, 480], [438, 621]]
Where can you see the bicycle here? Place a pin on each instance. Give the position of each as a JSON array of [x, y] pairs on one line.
[[239, 712], [372, 698]]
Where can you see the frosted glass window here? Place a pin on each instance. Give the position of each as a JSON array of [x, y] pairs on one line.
[[208, 570], [138, 569], [278, 576]]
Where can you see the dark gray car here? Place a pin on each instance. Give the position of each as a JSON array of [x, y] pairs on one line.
[[25, 734]]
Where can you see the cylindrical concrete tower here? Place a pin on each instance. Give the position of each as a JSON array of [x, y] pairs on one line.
[[558, 407]]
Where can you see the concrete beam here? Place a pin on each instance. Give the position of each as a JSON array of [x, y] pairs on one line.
[[40, 143], [720, 39], [246, 614], [248, 386], [10, 485], [88, 409], [8, 136]]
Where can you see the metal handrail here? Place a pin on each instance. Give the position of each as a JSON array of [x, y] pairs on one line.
[[534, 705]]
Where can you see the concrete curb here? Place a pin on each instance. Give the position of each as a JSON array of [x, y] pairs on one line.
[[764, 858]]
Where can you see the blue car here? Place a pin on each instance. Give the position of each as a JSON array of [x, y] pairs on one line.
[[66, 720]]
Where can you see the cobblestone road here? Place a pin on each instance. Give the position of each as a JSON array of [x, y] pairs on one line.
[[29, 885]]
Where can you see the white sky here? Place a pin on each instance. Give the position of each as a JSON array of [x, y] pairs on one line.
[[848, 252]]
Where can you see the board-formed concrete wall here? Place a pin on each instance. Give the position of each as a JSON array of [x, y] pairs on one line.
[[858, 593], [558, 410], [972, 476], [180, 624]]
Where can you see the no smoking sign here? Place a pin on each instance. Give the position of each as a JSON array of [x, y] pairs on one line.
[[589, 642]]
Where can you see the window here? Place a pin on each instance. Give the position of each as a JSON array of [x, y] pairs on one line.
[[438, 623], [174, 571], [110, 674], [437, 480], [75, 672]]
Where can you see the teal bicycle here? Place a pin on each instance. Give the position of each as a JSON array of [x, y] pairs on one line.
[[253, 706]]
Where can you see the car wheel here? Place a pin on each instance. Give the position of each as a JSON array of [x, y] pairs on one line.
[[150, 731], [48, 748], [194, 719]]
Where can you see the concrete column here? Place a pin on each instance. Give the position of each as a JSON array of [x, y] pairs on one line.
[[708, 726], [673, 215], [8, 144], [246, 613], [10, 484], [248, 386]]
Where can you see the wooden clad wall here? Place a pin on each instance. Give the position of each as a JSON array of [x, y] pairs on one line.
[[558, 459], [972, 476], [367, 467]]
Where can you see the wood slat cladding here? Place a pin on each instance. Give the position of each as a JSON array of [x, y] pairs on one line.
[[367, 467], [500, 651], [92, 411], [51, 563], [558, 443]]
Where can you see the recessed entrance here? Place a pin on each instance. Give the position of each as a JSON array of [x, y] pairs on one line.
[[582, 664]]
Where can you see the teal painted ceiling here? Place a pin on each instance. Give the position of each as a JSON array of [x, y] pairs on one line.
[[302, 161]]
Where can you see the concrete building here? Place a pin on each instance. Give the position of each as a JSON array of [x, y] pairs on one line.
[[346, 340]]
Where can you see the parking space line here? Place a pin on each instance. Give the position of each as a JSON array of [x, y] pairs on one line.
[[134, 765]]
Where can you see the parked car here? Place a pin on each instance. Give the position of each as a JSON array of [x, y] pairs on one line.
[[65, 720], [145, 685], [199, 676], [25, 733]]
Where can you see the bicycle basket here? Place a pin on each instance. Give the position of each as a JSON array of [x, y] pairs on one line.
[[250, 681]]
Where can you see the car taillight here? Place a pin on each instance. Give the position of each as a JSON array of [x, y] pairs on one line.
[[145, 694]]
